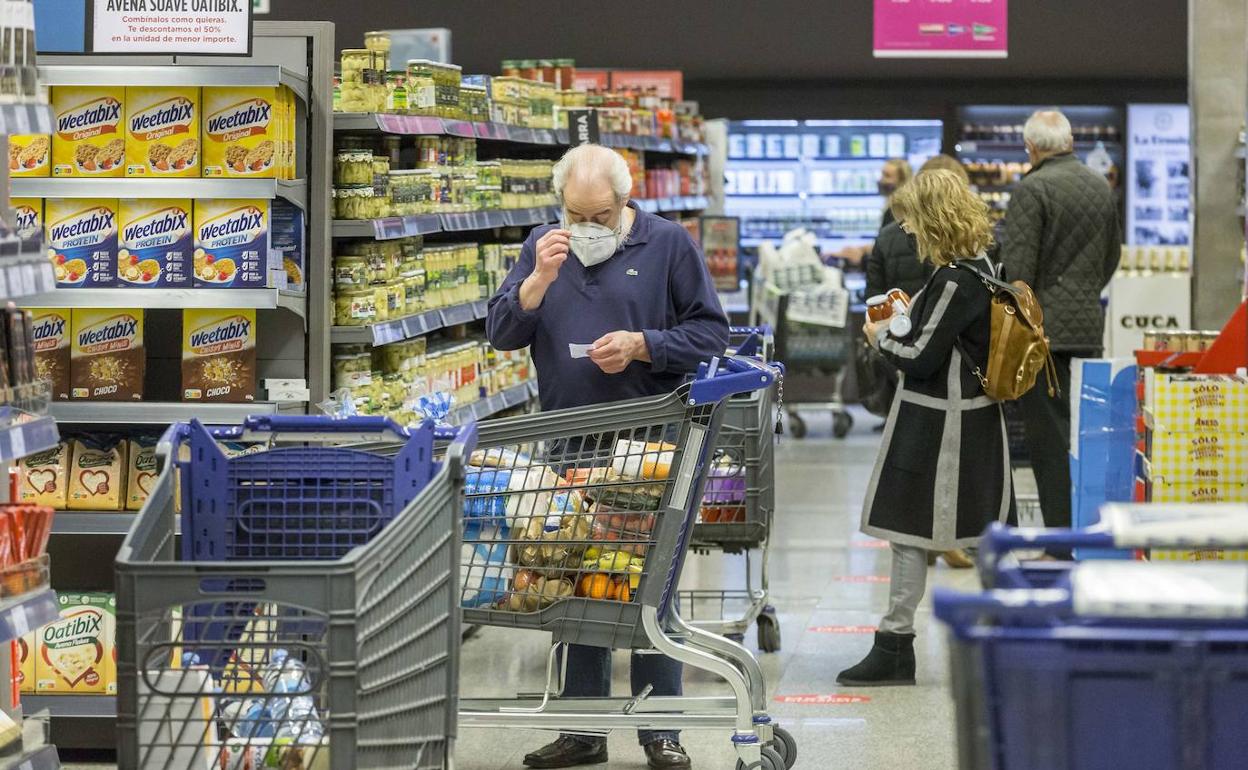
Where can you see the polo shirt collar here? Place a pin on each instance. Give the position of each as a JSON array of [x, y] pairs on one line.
[[641, 227]]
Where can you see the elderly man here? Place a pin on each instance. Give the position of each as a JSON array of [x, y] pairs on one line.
[[1062, 238], [635, 286]]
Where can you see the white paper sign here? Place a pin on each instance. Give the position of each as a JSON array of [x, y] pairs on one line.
[[172, 26]]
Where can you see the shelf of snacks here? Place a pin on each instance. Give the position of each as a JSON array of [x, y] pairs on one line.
[[293, 190], [174, 76], [170, 298], [155, 412], [410, 327]]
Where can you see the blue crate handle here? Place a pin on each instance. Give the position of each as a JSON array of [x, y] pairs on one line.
[[754, 336], [278, 423], [729, 376], [963, 612]]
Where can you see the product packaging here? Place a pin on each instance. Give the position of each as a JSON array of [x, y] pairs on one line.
[[30, 155], [157, 240], [1208, 403], [231, 244], [43, 477], [97, 474], [77, 654], [287, 242], [82, 241], [28, 217], [25, 646], [162, 132], [242, 132], [90, 131], [107, 357], [51, 346], [219, 355], [141, 475]]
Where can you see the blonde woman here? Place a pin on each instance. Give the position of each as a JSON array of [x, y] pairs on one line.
[[943, 472]]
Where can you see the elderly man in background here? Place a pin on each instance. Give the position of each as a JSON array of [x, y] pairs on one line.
[[1062, 237], [638, 289]]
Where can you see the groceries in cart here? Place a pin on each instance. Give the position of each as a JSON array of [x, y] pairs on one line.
[[723, 502]]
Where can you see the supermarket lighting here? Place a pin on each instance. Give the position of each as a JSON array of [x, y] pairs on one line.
[[766, 123]]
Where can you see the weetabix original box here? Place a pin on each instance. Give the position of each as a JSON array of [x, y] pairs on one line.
[[90, 135], [162, 132], [242, 132]]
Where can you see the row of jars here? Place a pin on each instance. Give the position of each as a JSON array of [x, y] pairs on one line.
[[369, 288], [486, 186], [388, 380]]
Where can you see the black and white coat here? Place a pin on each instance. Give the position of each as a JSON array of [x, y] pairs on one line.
[[943, 472]]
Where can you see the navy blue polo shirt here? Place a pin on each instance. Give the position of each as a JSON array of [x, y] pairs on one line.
[[656, 284]]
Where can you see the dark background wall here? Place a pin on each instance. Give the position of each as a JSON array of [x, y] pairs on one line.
[[805, 58]]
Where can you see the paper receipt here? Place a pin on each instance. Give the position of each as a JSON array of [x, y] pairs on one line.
[[576, 350]]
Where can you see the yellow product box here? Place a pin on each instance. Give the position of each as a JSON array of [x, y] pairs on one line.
[[26, 662], [1207, 403], [242, 132], [76, 654], [43, 478], [81, 237], [231, 244], [97, 475], [1203, 554], [30, 155], [155, 245], [219, 355], [90, 138], [162, 132], [1198, 457], [28, 217], [1224, 491]]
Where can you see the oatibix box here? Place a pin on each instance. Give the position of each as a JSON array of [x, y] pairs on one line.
[[81, 238], [157, 240], [231, 244]]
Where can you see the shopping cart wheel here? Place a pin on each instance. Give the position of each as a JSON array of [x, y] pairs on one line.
[[842, 422], [770, 761], [783, 743], [797, 426], [768, 630]]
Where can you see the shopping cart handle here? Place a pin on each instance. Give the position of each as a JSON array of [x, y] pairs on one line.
[[962, 611], [754, 336], [730, 375], [256, 426], [463, 443]]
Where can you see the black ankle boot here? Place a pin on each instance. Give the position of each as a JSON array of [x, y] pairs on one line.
[[890, 662]]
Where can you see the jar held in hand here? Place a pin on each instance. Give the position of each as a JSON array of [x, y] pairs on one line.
[[894, 307]]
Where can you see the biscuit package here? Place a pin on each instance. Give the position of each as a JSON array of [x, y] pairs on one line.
[[75, 653], [42, 477], [231, 243], [242, 132], [106, 357], [51, 342], [30, 155], [81, 235], [219, 355], [90, 137], [156, 243], [28, 217], [141, 475], [97, 474], [162, 132]]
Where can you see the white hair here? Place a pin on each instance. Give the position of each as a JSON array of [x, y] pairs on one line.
[[1049, 131], [590, 162]]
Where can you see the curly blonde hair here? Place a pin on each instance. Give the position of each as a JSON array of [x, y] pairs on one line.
[[948, 221]]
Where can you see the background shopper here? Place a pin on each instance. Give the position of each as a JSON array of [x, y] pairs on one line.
[[639, 289], [943, 471], [894, 175], [1062, 237]]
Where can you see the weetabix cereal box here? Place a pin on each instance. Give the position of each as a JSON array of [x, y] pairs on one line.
[[219, 355], [242, 132], [90, 137], [81, 236], [75, 653], [231, 244], [30, 155], [107, 360], [28, 222], [52, 336], [157, 239], [162, 132]]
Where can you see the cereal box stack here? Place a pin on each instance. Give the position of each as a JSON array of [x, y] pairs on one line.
[[90, 131], [248, 132], [162, 132]]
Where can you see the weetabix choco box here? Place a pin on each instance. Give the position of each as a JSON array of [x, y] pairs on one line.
[[107, 358], [52, 338], [219, 355], [162, 132], [231, 244]]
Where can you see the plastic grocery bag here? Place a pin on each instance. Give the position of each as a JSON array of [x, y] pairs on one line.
[[483, 570]]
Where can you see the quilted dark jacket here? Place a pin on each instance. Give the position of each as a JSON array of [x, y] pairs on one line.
[[1062, 238], [894, 263]]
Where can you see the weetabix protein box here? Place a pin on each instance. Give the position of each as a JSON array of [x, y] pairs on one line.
[[231, 244]]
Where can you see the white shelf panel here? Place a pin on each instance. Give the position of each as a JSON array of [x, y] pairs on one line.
[[237, 75], [154, 412], [167, 298]]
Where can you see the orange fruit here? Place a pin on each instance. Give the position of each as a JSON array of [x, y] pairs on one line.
[[595, 585], [625, 595]]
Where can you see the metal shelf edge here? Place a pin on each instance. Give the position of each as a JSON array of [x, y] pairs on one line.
[[72, 706], [412, 326], [93, 522], [171, 298], [294, 190], [154, 412], [173, 75]]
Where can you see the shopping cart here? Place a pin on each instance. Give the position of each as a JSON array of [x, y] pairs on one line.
[[1105, 664], [738, 506], [577, 524], [314, 609]]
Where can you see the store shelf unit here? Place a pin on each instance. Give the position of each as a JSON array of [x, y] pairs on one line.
[[173, 299], [410, 327], [155, 412], [509, 398]]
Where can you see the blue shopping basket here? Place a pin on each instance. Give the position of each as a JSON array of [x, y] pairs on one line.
[[1106, 664]]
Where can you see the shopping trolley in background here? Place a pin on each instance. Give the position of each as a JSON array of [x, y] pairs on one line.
[[1105, 664], [314, 607], [738, 508], [577, 523]]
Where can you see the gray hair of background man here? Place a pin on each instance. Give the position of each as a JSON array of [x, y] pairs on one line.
[[589, 162], [1048, 132]]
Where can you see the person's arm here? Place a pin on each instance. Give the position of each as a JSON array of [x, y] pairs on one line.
[[515, 309], [701, 329], [877, 271], [928, 347], [1024, 222], [1113, 253]]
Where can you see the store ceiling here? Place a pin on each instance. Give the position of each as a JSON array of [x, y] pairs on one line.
[[774, 40]]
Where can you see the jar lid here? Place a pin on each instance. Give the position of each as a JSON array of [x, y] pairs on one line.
[[357, 52]]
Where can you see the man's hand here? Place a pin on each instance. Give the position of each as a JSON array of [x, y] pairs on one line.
[[552, 252], [615, 351]]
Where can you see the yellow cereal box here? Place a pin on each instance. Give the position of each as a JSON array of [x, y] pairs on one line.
[[26, 662], [162, 132], [75, 653], [90, 135], [155, 244], [81, 236], [231, 244], [30, 155], [219, 355], [242, 132], [28, 217]]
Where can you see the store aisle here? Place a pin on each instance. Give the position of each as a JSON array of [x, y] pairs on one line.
[[821, 572]]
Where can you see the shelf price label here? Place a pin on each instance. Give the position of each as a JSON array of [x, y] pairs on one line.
[[202, 27]]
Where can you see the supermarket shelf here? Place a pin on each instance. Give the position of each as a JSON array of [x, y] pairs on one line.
[[168, 298], [389, 228], [235, 75], [20, 614], [804, 161], [295, 191], [26, 438], [72, 706], [410, 327], [93, 522], [501, 401], [975, 145], [25, 119], [682, 203], [154, 412], [26, 273]]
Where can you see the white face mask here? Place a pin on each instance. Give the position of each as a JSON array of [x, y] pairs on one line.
[[593, 243]]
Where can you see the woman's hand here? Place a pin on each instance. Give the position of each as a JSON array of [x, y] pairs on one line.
[[871, 330]]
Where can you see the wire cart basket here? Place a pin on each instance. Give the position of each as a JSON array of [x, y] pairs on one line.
[[311, 620], [1106, 663], [738, 507], [577, 523]]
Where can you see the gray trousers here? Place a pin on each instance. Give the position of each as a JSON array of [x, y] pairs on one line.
[[908, 583]]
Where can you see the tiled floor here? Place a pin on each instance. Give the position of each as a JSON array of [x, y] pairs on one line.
[[820, 484]]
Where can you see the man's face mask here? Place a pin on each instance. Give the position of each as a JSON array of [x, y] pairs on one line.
[[593, 243]]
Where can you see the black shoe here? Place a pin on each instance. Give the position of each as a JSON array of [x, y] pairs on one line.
[[890, 662], [667, 755], [569, 752]]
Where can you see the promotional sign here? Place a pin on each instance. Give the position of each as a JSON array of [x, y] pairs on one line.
[[1159, 184], [202, 27], [583, 127], [941, 29], [666, 83], [591, 80], [1160, 301]]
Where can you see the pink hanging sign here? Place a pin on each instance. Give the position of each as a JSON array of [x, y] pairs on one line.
[[941, 29]]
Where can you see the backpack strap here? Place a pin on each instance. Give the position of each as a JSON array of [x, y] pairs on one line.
[[990, 283]]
